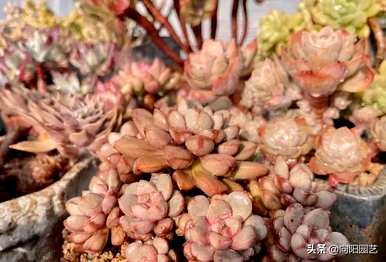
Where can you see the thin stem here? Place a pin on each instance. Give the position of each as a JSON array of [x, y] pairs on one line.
[[184, 29], [246, 22], [235, 10], [379, 38], [213, 22], [164, 21], [152, 32], [198, 34]]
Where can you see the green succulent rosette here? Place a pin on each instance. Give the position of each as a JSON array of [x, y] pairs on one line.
[[349, 14], [375, 96], [275, 29], [92, 23]]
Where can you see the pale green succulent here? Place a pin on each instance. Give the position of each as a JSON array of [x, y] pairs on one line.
[[93, 24], [375, 96], [275, 29], [349, 14]]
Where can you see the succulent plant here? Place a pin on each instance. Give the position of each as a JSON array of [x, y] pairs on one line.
[[286, 185], [149, 207], [349, 14], [140, 77], [288, 137], [70, 83], [296, 228], [269, 87], [32, 14], [94, 216], [342, 154], [156, 249], [213, 71], [67, 123], [222, 228], [374, 95], [321, 62], [94, 23], [93, 59], [275, 29], [194, 11], [196, 142]]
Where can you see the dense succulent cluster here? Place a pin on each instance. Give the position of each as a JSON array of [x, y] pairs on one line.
[[69, 54]]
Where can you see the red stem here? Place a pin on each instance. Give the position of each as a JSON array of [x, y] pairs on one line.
[[213, 23], [164, 21], [152, 32], [246, 22], [235, 9], [182, 24], [198, 34]]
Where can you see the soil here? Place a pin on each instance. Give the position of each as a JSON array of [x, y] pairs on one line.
[[23, 173]]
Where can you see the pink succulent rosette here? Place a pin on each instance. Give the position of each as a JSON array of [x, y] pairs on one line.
[[342, 154], [289, 137], [94, 216], [149, 207], [286, 185], [213, 71], [221, 229], [321, 62], [139, 77], [269, 87], [295, 229]]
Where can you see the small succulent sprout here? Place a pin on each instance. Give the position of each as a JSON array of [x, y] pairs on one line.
[[213, 71], [156, 249], [221, 228], [147, 206]]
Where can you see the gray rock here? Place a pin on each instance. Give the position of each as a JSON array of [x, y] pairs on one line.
[[29, 217]]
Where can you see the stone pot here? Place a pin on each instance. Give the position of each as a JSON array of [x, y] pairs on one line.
[[360, 214], [25, 219]]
